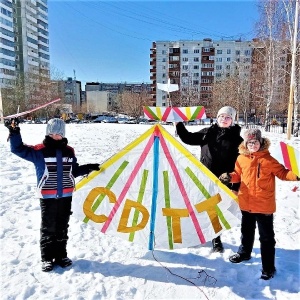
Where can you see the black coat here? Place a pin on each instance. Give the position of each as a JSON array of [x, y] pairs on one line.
[[219, 146]]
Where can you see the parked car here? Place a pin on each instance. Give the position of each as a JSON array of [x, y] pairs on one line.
[[123, 120], [110, 120], [99, 119]]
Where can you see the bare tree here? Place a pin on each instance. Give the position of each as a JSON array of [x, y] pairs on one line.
[[132, 103], [274, 31]]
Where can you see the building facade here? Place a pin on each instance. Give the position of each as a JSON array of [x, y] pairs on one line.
[[24, 39], [196, 65]]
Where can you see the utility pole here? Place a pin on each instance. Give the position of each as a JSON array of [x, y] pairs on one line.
[[292, 84]]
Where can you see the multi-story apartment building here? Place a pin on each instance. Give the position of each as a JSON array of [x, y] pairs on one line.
[[24, 39], [118, 87], [196, 65], [7, 44], [72, 92], [112, 90]]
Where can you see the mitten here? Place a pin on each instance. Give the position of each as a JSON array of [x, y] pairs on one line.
[[225, 178], [12, 125], [93, 167]]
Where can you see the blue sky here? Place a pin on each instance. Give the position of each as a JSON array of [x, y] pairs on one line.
[[110, 41]]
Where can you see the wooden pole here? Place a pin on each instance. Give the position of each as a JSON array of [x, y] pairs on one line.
[[292, 84]]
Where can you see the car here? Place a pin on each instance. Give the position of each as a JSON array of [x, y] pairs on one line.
[[123, 120], [110, 120], [99, 119]]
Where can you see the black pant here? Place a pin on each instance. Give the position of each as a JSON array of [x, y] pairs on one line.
[[54, 227], [266, 237]]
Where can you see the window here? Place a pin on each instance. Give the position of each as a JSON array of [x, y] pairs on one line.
[[196, 51], [228, 59], [185, 51], [185, 67], [196, 67], [237, 52], [163, 52], [219, 51], [247, 52], [228, 51], [195, 82], [175, 58], [206, 49], [196, 58], [218, 67], [196, 74], [185, 59], [219, 59]]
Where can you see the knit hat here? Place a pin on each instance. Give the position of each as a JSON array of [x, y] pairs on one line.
[[252, 134], [228, 110], [56, 126]]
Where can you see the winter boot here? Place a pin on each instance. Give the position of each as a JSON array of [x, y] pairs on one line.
[[64, 262], [217, 245], [47, 265], [267, 275], [239, 257]]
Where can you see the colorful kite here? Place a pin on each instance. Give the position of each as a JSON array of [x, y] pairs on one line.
[[156, 193], [291, 158], [174, 114]]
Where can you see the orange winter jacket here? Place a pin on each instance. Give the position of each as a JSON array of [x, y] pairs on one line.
[[256, 172]]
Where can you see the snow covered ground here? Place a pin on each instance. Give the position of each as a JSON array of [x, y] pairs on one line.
[[106, 267]]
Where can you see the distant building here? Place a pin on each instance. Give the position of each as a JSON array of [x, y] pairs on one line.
[[118, 87], [72, 92], [24, 39], [98, 101], [195, 63], [113, 90]]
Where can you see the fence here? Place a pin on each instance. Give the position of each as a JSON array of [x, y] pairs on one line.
[[282, 128]]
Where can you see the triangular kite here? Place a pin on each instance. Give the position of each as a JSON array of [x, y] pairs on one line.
[[156, 193], [174, 114]]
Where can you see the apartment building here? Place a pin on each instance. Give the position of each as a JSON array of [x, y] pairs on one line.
[[196, 65], [24, 39], [117, 88]]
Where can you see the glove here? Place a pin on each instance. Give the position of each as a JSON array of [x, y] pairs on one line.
[[93, 167], [12, 125], [225, 178]]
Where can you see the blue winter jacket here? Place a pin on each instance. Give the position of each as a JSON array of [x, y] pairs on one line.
[[55, 164]]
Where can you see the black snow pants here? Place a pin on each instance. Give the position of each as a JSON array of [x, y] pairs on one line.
[[54, 227], [266, 237]]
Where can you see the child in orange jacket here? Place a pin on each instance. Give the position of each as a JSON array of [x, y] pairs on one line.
[[256, 169]]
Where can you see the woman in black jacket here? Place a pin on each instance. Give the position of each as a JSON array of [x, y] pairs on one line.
[[219, 148]]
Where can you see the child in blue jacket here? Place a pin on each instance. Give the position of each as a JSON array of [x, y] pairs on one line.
[[56, 166]]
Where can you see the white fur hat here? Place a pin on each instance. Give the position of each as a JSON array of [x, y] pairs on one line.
[[56, 126], [228, 110]]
